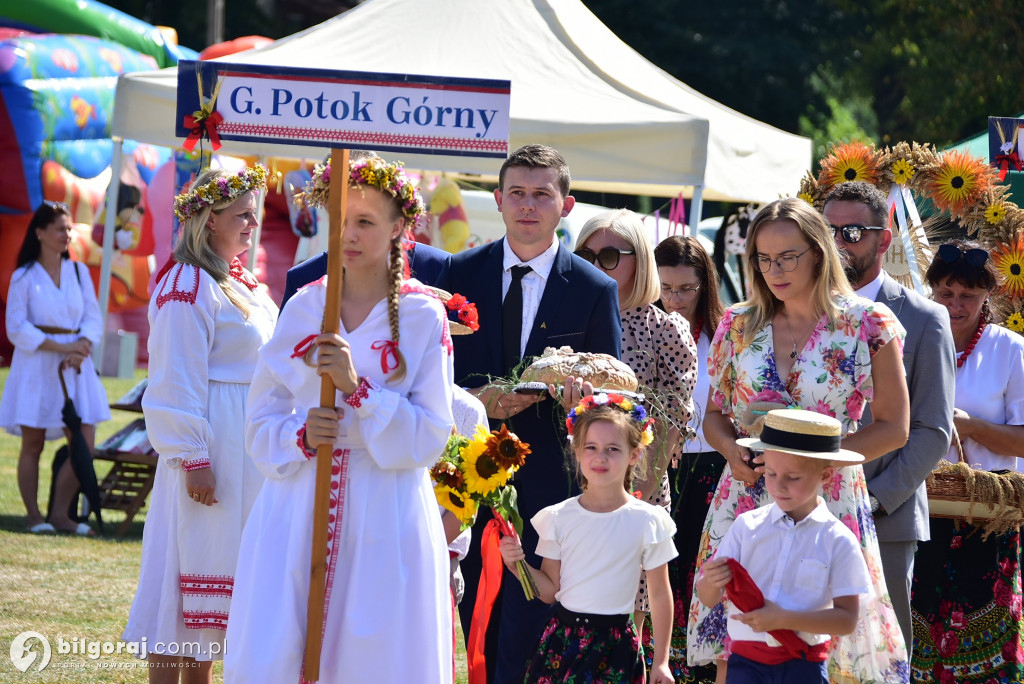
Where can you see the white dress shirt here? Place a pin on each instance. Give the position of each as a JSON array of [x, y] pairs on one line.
[[798, 565], [533, 283]]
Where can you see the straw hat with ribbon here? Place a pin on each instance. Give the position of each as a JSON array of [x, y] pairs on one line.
[[802, 433]]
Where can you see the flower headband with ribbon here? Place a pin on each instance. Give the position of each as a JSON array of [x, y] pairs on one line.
[[636, 413], [389, 177], [194, 200]]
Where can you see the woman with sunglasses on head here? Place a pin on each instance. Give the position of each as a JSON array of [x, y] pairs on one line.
[[53, 321], [655, 344], [804, 340], [689, 287], [966, 599]]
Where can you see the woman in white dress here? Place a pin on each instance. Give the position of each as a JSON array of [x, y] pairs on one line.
[[208, 316], [387, 611], [53, 320]]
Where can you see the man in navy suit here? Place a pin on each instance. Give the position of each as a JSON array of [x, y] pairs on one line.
[[427, 264], [565, 302]]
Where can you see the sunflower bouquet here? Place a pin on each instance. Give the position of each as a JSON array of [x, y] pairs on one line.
[[475, 472]]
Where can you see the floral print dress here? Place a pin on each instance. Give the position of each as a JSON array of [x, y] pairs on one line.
[[831, 375]]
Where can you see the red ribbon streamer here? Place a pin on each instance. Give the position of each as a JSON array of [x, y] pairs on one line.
[[389, 348], [1004, 161], [197, 126], [302, 347], [487, 593]]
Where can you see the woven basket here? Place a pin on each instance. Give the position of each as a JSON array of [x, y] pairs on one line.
[[949, 497]]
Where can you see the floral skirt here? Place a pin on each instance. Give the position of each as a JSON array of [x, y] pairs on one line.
[[875, 651], [576, 647], [693, 487], [966, 605]]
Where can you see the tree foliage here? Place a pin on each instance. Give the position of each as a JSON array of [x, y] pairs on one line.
[[836, 70]]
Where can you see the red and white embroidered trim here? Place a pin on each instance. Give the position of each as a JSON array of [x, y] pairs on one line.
[[205, 619], [241, 275], [176, 294], [207, 585], [446, 337], [408, 287], [355, 400], [301, 441], [363, 138], [195, 464], [339, 485]]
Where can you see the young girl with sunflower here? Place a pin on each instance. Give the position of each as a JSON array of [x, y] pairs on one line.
[[594, 547], [387, 609]]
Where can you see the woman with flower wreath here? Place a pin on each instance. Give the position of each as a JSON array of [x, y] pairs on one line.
[[387, 608], [208, 316], [966, 599], [804, 340], [594, 547]]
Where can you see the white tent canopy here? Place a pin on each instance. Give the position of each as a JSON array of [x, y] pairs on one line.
[[623, 124]]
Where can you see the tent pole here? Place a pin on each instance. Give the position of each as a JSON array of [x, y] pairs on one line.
[[257, 235], [696, 206], [109, 226]]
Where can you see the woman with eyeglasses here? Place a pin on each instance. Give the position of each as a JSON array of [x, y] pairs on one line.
[[689, 287], [804, 340], [53, 320], [655, 344], [966, 599]]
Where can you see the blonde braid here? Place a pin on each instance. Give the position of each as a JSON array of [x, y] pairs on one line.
[[394, 289]]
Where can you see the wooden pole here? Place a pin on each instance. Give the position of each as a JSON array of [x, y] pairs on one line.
[[337, 203]]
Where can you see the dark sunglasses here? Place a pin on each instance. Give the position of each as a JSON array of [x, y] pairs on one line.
[[952, 254], [607, 257], [853, 232], [56, 206]]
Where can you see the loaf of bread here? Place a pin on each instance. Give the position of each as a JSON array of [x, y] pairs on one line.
[[601, 370]]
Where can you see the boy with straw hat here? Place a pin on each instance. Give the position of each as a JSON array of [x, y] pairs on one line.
[[806, 562]]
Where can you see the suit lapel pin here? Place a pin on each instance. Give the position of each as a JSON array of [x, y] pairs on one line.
[[543, 326]]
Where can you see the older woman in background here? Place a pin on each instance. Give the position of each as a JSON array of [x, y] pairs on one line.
[[966, 599], [689, 287], [657, 345]]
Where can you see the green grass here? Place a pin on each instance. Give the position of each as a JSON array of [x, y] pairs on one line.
[[66, 587]]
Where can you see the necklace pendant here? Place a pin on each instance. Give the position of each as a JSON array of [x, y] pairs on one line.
[[792, 354]]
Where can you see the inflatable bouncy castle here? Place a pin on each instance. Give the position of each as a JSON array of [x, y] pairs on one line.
[[56, 97]]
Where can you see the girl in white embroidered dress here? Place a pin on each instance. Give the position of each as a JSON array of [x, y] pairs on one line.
[[387, 610], [208, 317], [53, 319]]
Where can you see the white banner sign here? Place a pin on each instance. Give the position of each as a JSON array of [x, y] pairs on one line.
[[384, 112]]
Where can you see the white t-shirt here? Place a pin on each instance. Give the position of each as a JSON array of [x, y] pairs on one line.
[[700, 397], [990, 385], [602, 553], [799, 566]]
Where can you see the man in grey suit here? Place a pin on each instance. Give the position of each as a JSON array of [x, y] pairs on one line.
[[859, 217]]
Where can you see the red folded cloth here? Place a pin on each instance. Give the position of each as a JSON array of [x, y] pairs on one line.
[[746, 596]]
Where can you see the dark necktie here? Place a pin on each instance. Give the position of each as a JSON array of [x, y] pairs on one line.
[[512, 318]]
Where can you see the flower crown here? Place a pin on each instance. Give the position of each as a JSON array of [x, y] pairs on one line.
[[194, 200], [388, 177], [636, 413]]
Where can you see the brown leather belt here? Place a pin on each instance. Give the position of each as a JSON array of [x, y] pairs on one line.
[[51, 330]]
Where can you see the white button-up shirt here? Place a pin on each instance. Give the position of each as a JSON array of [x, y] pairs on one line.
[[800, 566], [533, 283]]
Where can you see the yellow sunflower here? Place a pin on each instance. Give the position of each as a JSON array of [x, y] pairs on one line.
[[959, 181], [849, 162], [995, 213], [1015, 322], [902, 171], [1009, 260], [458, 503], [482, 472], [806, 197], [506, 449]]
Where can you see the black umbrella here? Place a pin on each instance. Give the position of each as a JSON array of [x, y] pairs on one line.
[[78, 451]]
